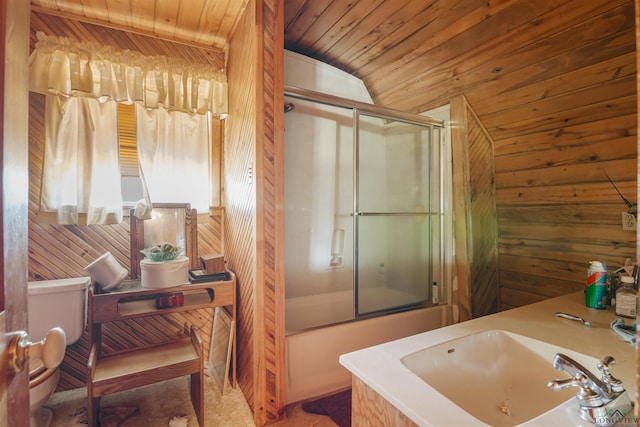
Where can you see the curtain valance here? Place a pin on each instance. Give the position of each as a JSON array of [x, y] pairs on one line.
[[68, 68]]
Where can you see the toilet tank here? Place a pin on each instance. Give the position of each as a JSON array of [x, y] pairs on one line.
[[59, 302]]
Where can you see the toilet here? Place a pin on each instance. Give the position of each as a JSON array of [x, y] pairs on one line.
[[52, 303]]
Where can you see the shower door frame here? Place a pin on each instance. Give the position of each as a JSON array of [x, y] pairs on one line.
[[357, 213], [358, 108]]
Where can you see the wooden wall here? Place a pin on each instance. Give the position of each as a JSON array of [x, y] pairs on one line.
[[474, 203], [560, 110], [553, 83], [57, 251], [240, 152], [270, 204], [559, 103], [254, 187]]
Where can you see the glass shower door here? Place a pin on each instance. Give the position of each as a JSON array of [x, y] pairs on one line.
[[396, 214], [318, 234]]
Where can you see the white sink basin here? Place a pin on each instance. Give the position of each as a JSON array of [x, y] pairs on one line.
[[498, 377]]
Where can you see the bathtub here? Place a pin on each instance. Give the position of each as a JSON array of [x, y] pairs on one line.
[[312, 355]]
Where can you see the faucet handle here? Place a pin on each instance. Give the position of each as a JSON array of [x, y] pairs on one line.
[[614, 384], [557, 385], [586, 396]]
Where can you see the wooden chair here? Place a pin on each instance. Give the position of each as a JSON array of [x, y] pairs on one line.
[[128, 369]]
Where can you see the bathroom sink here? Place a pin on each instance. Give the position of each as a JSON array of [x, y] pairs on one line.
[[498, 377]]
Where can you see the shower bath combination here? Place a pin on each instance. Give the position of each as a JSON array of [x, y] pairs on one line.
[[363, 209], [367, 224]]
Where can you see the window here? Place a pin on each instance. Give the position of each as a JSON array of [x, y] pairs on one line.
[[177, 166], [81, 165], [130, 176]]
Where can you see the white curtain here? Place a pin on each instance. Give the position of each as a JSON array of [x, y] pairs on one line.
[[173, 155], [81, 170], [81, 173], [61, 66]]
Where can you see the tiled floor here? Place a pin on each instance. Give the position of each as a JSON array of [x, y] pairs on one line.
[[158, 404]]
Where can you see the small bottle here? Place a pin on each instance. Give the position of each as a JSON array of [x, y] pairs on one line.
[[626, 298], [596, 285], [610, 297], [614, 282]]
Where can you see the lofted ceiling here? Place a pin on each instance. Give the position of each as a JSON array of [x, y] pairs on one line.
[[411, 54], [414, 54], [202, 22]]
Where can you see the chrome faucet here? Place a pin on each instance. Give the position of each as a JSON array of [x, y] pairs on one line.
[[603, 402]]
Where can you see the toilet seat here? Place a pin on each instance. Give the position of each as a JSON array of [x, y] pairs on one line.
[[61, 303], [38, 373], [42, 383]]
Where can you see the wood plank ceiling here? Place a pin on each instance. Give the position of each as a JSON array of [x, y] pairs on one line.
[[411, 54], [201, 22]]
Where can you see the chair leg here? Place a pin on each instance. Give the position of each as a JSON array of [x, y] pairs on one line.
[[197, 395], [93, 408]]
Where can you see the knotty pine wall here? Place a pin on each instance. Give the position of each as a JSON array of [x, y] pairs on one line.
[[254, 196], [559, 102], [240, 152], [270, 203], [475, 218], [57, 251], [552, 82]]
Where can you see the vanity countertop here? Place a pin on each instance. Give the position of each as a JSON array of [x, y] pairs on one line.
[[380, 367]]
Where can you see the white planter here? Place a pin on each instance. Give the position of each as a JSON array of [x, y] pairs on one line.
[[164, 274]]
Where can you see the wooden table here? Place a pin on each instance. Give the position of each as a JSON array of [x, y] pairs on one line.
[[148, 364]]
